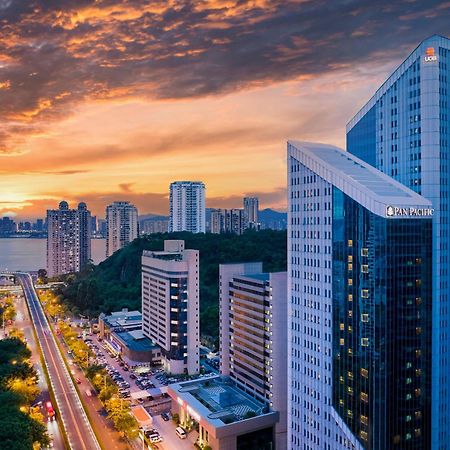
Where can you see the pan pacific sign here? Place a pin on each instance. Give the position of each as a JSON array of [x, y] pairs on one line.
[[411, 211]]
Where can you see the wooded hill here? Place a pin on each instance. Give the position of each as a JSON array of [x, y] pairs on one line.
[[116, 282]]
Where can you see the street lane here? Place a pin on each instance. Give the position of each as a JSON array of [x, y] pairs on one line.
[[72, 415], [23, 322]]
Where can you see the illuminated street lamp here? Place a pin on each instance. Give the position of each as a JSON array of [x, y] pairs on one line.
[[104, 379]]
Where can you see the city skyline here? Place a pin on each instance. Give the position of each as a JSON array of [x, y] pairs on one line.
[[97, 102]]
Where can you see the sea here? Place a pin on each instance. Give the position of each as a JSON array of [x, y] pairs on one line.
[[31, 254]]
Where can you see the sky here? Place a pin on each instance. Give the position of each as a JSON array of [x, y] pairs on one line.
[[112, 100]]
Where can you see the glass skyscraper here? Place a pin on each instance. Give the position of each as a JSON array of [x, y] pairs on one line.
[[360, 305], [404, 131]]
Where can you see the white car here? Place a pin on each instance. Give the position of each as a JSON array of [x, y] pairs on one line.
[[155, 438]]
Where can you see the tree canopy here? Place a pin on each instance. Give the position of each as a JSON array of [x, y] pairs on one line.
[[116, 282]]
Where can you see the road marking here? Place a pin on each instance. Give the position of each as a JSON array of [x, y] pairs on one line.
[[38, 312]]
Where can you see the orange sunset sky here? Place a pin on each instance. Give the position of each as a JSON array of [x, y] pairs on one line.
[[112, 100]]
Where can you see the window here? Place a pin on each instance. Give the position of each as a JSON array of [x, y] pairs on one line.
[[365, 293], [365, 268], [350, 243], [365, 342], [364, 372], [364, 251], [364, 397], [364, 317]]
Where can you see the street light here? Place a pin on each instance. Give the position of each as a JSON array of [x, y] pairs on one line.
[[104, 379]]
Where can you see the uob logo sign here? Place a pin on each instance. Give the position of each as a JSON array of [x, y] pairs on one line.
[[430, 55]]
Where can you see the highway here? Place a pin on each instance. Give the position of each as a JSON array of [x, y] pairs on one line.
[[72, 415], [23, 322]]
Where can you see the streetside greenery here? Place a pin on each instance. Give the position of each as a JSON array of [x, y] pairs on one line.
[[22, 425], [116, 282], [119, 410]]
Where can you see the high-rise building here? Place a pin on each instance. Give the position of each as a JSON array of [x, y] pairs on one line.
[[253, 336], [170, 305], [68, 239], [152, 225], [187, 207], [39, 225], [7, 226], [403, 130], [360, 305], [227, 221], [94, 225], [251, 212], [121, 226]]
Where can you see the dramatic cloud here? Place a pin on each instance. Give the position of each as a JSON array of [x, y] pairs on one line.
[[127, 95], [55, 54]]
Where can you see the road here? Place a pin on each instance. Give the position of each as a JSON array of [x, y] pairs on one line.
[[23, 322], [72, 415]]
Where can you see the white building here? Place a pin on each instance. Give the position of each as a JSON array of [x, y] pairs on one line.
[[359, 305], [121, 226], [170, 305], [251, 212], [253, 336], [68, 239], [187, 207]]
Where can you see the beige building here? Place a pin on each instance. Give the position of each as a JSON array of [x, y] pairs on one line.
[[68, 239], [121, 226]]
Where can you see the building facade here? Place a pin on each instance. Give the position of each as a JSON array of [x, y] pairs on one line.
[[403, 130], [68, 239], [227, 221], [121, 226], [170, 305], [187, 207], [253, 336], [251, 212], [360, 296]]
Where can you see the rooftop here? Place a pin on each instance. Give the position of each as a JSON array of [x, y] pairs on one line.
[[432, 41], [256, 276], [218, 400], [136, 341], [375, 190], [122, 318]]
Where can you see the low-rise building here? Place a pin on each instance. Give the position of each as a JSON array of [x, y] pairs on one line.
[[119, 321], [122, 333], [227, 417]]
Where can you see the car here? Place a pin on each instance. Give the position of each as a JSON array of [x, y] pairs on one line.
[[125, 368], [78, 380], [155, 438], [133, 376], [165, 417], [181, 433], [51, 415]]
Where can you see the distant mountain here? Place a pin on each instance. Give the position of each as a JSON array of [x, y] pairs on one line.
[[273, 220], [271, 214], [152, 217]]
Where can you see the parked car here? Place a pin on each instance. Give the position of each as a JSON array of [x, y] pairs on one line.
[[165, 417]]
